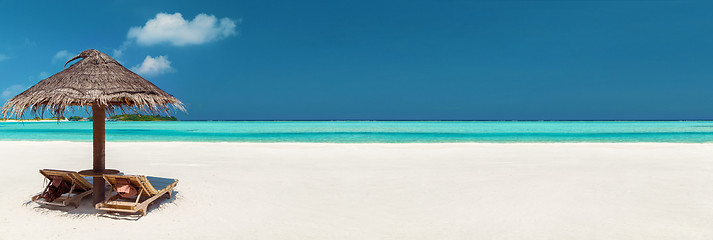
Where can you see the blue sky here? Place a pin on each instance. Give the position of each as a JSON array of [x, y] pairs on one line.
[[410, 60]]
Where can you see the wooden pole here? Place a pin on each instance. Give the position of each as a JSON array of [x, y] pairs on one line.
[[98, 124]]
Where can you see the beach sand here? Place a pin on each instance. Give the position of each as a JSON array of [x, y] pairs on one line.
[[378, 191]]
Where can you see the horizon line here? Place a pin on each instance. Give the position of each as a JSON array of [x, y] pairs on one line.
[[419, 120], [448, 120]]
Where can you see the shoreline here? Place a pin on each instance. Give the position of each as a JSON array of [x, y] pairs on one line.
[[371, 143], [198, 120], [368, 132]]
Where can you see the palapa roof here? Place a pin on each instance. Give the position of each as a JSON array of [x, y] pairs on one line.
[[97, 78]]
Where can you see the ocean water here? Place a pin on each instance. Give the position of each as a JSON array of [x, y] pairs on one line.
[[369, 131]]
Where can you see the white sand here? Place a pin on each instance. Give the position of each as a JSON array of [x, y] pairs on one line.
[[379, 191]]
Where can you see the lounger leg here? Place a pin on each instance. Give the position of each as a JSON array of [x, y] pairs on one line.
[[35, 198], [139, 197], [69, 196]]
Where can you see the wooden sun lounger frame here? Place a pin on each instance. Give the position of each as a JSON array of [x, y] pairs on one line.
[[77, 182], [144, 188]]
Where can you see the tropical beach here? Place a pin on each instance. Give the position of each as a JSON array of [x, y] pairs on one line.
[[556, 183], [326, 120]]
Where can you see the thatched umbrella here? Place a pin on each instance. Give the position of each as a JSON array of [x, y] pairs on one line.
[[98, 81]]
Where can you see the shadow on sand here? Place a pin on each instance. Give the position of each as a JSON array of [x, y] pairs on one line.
[[86, 208]]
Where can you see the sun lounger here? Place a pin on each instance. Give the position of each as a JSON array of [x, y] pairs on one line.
[[148, 189], [79, 188]]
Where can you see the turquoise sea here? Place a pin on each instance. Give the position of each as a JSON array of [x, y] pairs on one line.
[[369, 131]]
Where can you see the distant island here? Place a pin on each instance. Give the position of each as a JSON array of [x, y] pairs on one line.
[[128, 117]]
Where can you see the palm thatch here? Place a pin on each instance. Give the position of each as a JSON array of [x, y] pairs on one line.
[[96, 79]]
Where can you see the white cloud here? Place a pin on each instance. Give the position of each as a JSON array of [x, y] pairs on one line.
[[119, 52], [36, 78], [63, 55], [3, 57], [15, 89], [12, 91], [173, 29], [44, 75], [153, 66]]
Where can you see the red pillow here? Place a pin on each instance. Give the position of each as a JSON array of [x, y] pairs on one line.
[[124, 188]]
